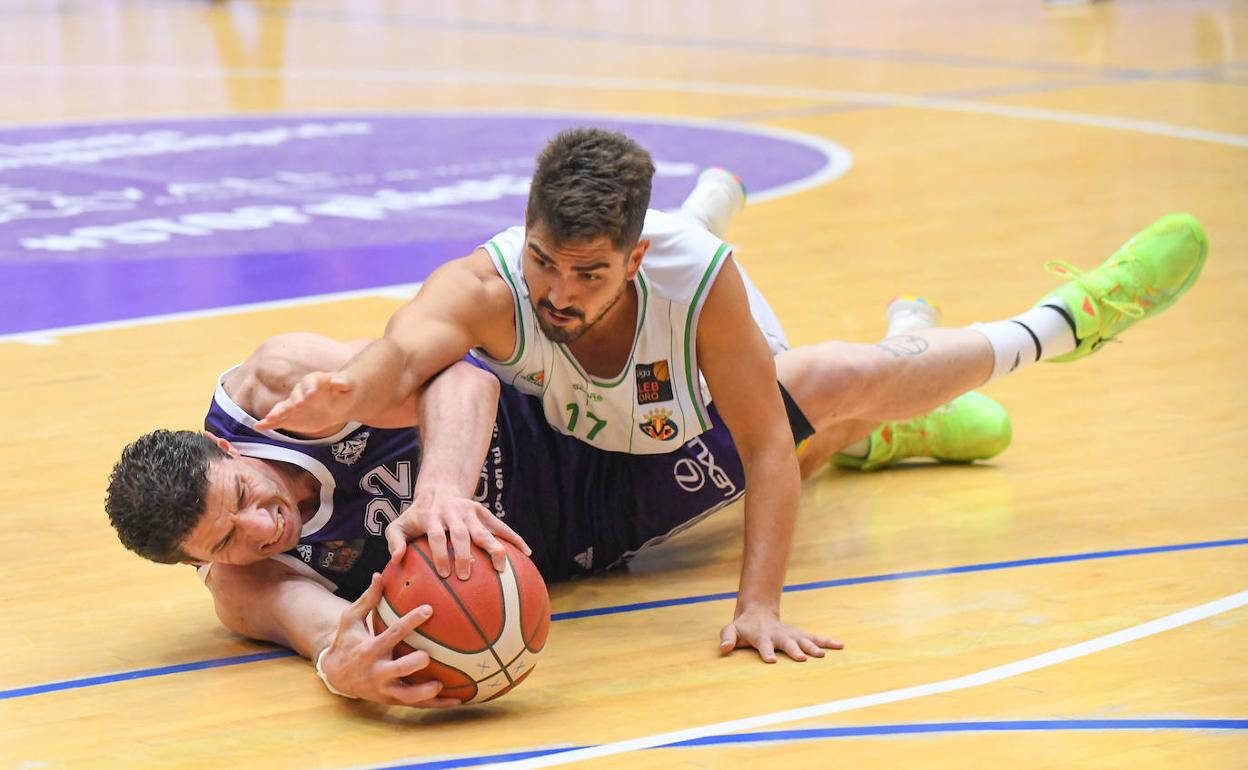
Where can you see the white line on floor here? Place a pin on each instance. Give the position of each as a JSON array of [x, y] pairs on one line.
[[1152, 627]]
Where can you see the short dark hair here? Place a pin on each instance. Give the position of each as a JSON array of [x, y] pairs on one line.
[[157, 492], [591, 183]]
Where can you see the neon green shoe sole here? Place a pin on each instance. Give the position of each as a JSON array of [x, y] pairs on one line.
[[970, 427], [1140, 280]]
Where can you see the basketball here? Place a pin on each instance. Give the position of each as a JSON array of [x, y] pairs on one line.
[[485, 633]]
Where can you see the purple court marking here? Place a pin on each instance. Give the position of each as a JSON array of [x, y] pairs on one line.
[[116, 221]]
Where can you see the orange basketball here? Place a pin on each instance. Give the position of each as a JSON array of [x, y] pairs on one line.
[[485, 633]]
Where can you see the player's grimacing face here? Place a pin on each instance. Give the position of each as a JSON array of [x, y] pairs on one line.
[[573, 285], [249, 514]]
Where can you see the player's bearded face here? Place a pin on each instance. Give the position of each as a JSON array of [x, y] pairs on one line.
[[573, 324], [573, 286]]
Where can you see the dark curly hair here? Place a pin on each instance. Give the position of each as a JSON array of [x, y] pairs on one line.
[[157, 492], [590, 184]]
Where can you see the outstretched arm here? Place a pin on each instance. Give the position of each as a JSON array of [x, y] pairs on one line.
[[270, 602], [740, 371], [281, 361], [464, 304]]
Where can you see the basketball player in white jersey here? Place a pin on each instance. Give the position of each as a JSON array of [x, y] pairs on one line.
[[568, 310]]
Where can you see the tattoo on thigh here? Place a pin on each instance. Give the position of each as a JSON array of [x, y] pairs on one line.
[[903, 345]]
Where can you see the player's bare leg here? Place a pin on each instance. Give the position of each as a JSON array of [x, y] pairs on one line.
[[971, 427], [814, 453], [909, 374]]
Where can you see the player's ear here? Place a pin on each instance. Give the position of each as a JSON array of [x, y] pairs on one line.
[[633, 264], [226, 446]]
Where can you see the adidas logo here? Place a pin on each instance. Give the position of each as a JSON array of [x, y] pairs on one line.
[[585, 558]]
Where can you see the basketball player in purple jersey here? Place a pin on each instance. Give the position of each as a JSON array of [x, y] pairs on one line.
[[289, 532]]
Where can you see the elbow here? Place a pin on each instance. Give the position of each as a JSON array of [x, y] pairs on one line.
[[275, 368], [237, 602], [771, 449], [471, 379], [232, 618]]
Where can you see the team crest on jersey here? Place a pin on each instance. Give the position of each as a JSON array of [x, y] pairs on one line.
[[537, 378], [339, 555], [654, 382], [658, 424], [349, 451]]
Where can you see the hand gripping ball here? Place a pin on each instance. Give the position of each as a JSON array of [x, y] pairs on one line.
[[485, 633]]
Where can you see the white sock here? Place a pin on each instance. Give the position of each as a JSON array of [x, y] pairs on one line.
[[908, 314], [1042, 332], [860, 448], [715, 200]]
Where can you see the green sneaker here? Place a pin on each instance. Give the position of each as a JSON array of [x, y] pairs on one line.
[[1140, 280], [970, 427]]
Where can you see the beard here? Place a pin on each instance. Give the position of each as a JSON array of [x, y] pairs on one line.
[[560, 334], [564, 335]]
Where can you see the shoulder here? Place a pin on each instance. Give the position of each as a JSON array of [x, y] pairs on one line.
[[682, 256], [473, 282], [276, 365], [484, 271], [507, 245]]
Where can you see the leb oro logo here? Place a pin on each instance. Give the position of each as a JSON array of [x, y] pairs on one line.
[[654, 382]]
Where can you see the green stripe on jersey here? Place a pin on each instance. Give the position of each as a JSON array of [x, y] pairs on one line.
[[515, 296], [695, 392]]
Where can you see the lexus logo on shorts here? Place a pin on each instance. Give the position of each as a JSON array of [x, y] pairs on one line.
[[688, 475], [691, 473]]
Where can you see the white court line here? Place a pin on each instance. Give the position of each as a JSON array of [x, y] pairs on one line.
[[636, 84], [1192, 615], [401, 291]]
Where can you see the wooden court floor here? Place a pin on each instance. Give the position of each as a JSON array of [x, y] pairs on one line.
[[1076, 603]]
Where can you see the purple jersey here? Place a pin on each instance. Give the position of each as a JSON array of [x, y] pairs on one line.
[[580, 509]]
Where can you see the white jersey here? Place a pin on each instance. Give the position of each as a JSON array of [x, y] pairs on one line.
[[658, 400]]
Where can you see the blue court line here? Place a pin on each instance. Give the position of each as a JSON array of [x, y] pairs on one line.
[[910, 575], [22, 692], [143, 673], [858, 731]]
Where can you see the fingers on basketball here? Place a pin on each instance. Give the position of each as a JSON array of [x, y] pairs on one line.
[[485, 633], [436, 537], [461, 543]]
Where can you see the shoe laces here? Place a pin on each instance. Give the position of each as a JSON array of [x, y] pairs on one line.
[[1066, 270]]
